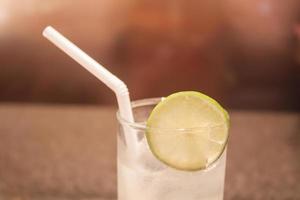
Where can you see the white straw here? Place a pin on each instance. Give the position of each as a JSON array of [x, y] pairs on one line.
[[101, 73]]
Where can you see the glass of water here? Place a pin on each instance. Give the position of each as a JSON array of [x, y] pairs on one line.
[[143, 177]]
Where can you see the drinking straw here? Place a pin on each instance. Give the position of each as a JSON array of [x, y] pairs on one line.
[[110, 80]]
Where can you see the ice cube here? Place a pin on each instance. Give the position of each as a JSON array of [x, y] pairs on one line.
[[146, 160]]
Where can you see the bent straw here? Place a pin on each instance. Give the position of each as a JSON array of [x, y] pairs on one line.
[[114, 83]]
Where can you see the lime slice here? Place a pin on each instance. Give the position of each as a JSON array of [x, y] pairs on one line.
[[188, 130]]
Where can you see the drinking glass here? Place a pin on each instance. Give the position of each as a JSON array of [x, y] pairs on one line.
[[141, 176]]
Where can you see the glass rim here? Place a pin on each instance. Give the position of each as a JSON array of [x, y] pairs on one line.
[[135, 104], [143, 126]]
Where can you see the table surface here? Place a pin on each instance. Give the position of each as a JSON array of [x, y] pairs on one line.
[[52, 152]]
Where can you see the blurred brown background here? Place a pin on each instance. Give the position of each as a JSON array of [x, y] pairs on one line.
[[243, 53]]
